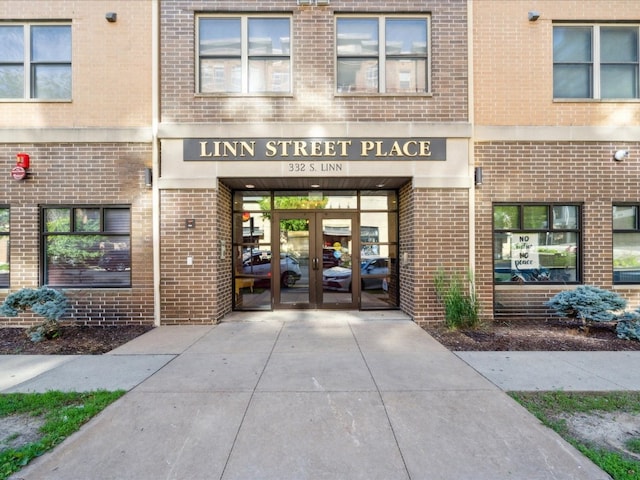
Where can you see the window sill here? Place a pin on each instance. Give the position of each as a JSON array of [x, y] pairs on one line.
[[596, 100], [379, 95], [243, 95], [35, 100]]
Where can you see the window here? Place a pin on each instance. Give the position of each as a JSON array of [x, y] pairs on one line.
[[536, 243], [4, 247], [598, 61], [244, 55], [626, 244], [86, 246], [35, 61], [382, 54]]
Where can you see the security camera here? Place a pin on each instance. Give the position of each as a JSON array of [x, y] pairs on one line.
[[620, 155]]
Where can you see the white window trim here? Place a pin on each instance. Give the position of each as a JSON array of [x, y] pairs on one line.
[[596, 62], [244, 56], [382, 56], [27, 93]]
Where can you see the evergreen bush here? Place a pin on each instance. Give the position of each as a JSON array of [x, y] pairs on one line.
[[46, 302], [628, 326], [588, 304]]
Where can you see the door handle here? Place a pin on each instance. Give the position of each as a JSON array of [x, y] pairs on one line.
[[315, 263]]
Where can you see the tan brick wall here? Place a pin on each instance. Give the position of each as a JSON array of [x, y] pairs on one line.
[[434, 230], [191, 294], [313, 59], [513, 63], [531, 172], [111, 65], [82, 174]]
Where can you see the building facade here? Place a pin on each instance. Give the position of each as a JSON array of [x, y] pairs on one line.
[[555, 97], [192, 158], [75, 96]]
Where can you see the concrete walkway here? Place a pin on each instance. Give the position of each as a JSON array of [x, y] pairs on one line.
[[296, 395]]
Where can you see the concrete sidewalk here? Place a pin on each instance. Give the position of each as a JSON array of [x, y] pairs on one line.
[[304, 395]]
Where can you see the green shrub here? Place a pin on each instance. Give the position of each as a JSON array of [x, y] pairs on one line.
[[628, 326], [46, 302], [588, 304], [461, 306]]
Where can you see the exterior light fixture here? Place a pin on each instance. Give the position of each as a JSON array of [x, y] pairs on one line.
[[148, 177], [111, 17], [477, 176], [620, 155], [533, 16]]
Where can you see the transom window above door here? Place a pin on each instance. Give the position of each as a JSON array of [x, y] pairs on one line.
[[244, 55]]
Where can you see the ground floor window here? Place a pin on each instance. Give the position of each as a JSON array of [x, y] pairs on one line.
[[4, 247], [536, 243], [626, 244], [313, 249], [86, 246]]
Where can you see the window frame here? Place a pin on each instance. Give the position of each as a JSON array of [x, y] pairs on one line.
[[383, 55], [550, 229], [245, 57], [29, 65], [635, 229], [6, 234], [596, 62], [75, 232]]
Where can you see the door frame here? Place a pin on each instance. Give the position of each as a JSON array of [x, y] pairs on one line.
[[315, 299]]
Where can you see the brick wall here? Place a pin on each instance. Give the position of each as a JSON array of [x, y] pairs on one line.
[[111, 65], [190, 293], [434, 229], [513, 63], [313, 60], [224, 265], [553, 172], [81, 174]]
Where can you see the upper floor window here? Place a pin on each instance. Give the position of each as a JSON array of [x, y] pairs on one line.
[[4, 247], [536, 243], [35, 61], [86, 246], [244, 55], [382, 54], [626, 244], [595, 61]]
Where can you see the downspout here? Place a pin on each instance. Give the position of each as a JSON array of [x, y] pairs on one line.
[[155, 120]]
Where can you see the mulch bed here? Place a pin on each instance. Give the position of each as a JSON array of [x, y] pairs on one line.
[[74, 340], [533, 335]]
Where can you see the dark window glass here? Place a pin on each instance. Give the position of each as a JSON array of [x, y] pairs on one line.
[[626, 244], [536, 243], [86, 247]]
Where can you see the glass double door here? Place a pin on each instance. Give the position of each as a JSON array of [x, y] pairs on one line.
[[317, 252]]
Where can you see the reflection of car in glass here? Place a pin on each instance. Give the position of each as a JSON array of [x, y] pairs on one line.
[[259, 265], [373, 271], [115, 261]]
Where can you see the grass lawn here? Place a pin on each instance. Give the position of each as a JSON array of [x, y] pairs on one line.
[[58, 414], [553, 409]]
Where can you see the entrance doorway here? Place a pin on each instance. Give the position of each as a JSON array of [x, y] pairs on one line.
[[325, 248], [315, 250]]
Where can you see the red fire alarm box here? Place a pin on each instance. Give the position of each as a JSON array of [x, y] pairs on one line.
[[22, 160]]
